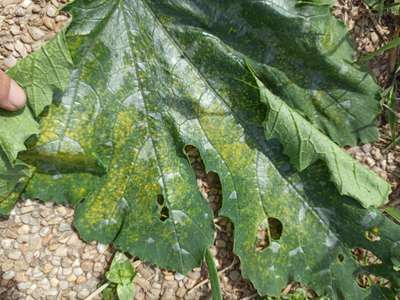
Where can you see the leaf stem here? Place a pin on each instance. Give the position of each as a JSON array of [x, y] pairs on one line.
[[213, 275]]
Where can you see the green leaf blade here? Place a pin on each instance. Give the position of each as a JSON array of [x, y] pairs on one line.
[[304, 144], [125, 291]]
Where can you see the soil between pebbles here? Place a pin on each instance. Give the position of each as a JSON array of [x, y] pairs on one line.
[[41, 257]]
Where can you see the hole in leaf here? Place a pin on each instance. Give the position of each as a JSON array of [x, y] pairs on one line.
[[365, 257], [272, 229], [275, 227], [366, 280], [164, 212], [209, 183], [340, 258], [295, 290], [214, 194], [373, 234], [57, 98]]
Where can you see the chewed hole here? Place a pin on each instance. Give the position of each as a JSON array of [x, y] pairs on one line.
[[365, 257], [373, 234], [295, 290], [209, 183], [270, 229], [340, 258], [164, 212], [275, 227], [366, 280]]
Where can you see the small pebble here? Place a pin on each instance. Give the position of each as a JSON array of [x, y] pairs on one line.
[[56, 261], [19, 47], [77, 271], [19, 11], [14, 254], [10, 62], [83, 293], [63, 285], [61, 18], [374, 38], [36, 33], [54, 282], [369, 161], [366, 148], [6, 243], [44, 284], [71, 278], [44, 231], [24, 285], [9, 46], [26, 3], [49, 23], [36, 8], [87, 266], [51, 11], [64, 227], [6, 3], [61, 251], [8, 275], [52, 292], [179, 276], [14, 29], [101, 248], [81, 279]]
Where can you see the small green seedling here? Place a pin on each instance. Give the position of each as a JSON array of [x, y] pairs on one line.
[[120, 277]]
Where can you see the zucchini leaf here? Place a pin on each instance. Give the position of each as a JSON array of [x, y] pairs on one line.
[[147, 78]]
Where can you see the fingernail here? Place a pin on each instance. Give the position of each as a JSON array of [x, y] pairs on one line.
[[16, 96]]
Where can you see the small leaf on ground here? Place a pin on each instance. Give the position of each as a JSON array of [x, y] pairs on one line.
[[125, 291], [121, 270]]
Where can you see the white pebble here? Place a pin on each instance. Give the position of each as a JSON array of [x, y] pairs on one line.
[[15, 254], [8, 275], [63, 284], [6, 244], [77, 271], [24, 285], [101, 248]]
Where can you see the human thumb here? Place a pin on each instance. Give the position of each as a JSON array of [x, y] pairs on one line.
[[12, 96]]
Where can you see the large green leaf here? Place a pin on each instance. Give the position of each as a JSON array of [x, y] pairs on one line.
[[149, 77]]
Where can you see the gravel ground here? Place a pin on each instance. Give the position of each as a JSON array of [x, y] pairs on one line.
[[41, 257], [25, 25]]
